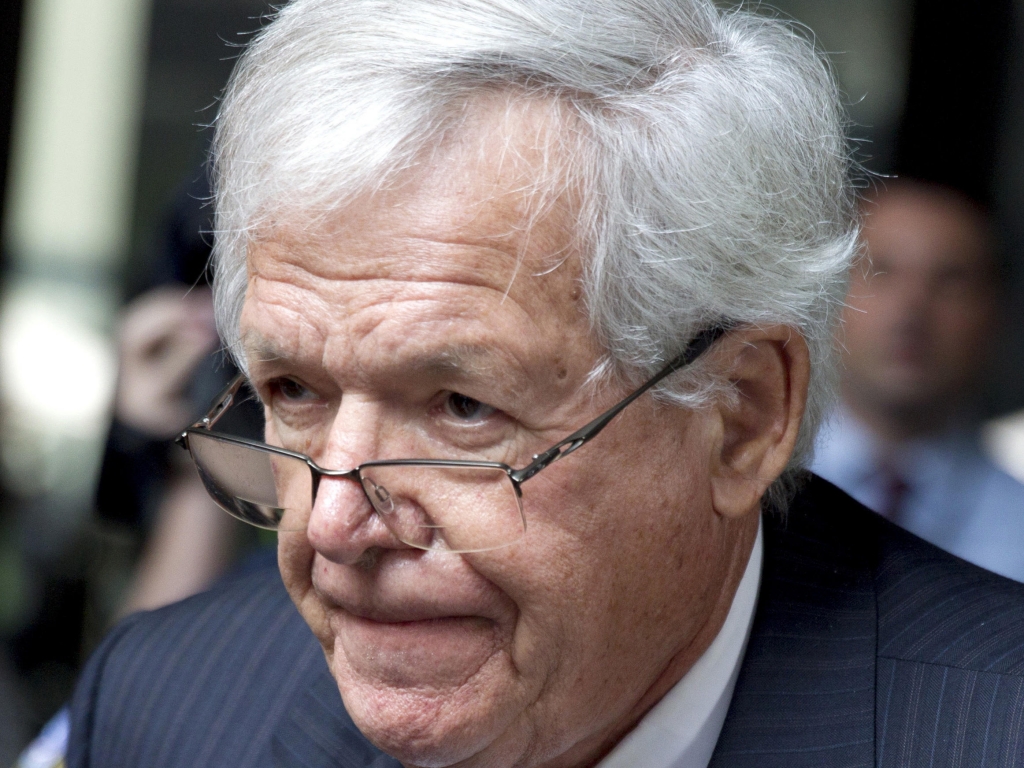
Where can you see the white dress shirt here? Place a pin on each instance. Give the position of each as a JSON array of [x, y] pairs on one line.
[[955, 496], [682, 729]]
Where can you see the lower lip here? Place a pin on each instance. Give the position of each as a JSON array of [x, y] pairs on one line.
[[435, 652]]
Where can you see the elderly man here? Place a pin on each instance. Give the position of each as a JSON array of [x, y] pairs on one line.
[[537, 295]]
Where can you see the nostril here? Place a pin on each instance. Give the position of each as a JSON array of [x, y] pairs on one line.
[[369, 559]]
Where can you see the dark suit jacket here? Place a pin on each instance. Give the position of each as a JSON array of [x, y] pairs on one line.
[[869, 648]]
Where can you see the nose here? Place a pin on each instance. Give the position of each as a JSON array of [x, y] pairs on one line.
[[343, 525]]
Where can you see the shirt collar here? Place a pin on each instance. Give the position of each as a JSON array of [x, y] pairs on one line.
[[682, 729]]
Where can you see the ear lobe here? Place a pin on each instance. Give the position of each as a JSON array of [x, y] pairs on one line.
[[756, 429]]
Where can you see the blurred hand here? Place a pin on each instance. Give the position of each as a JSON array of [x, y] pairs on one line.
[[162, 337]]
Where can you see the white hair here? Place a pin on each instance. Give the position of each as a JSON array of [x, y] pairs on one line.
[[708, 145]]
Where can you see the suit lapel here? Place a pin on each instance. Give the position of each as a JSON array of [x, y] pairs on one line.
[[317, 731], [806, 691]]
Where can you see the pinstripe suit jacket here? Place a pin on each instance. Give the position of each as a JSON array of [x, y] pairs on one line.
[[869, 648]]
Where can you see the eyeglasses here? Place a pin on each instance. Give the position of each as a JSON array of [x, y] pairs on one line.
[[457, 506]]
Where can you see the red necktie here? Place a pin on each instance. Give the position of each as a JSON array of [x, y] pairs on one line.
[[894, 494]]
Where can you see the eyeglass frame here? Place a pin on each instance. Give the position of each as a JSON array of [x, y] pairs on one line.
[[700, 343]]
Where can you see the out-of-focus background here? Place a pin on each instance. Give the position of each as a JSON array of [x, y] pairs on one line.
[[103, 114], [103, 108]]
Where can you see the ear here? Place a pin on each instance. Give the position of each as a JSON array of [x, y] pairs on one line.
[[754, 432]]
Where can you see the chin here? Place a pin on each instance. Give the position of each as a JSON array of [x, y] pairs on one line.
[[427, 727]]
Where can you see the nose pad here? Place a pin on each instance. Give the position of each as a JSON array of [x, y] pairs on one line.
[[343, 524], [379, 496]]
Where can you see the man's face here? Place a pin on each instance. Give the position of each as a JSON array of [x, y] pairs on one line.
[[920, 311], [432, 322]]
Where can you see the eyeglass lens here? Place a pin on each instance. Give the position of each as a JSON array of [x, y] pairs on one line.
[[428, 506]]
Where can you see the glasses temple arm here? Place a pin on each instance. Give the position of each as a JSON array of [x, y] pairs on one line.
[[221, 403], [698, 346]]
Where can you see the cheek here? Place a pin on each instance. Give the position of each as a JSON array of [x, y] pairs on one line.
[[965, 320], [294, 558], [609, 552], [295, 561], [962, 343], [543, 575], [560, 587]]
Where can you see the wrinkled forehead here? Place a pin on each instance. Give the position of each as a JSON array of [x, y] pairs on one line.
[[478, 211]]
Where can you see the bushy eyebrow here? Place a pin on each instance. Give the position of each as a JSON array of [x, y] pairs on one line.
[[257, 347], [473, 361], [463, 360], [458, 359]]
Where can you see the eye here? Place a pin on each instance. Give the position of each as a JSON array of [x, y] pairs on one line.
[[290, 389], [466, 408]]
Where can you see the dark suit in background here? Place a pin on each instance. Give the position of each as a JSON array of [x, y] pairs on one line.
[[869, 648]]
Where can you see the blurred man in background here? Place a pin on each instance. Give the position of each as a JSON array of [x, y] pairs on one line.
[[921, 314]]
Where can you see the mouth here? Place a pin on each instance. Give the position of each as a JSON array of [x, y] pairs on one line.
[[411, 622], [434, 652], [399, 615], [408, 593]]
